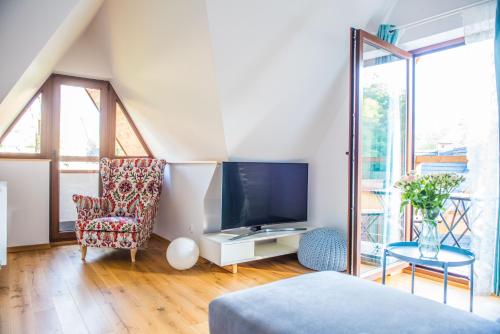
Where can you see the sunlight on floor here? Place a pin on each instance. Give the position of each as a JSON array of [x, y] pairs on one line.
[[485, 306]]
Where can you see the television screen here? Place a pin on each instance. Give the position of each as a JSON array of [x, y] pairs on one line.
[[257, 193]]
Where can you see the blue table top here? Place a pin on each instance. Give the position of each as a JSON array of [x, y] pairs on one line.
[[448, 255]]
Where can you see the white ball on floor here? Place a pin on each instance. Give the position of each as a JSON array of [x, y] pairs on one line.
[[182, 253]]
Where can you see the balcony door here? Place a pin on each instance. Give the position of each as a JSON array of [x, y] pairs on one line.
[[381, 149], [78, 142]]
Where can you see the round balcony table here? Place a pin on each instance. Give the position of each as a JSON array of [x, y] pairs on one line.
[[447, 257]]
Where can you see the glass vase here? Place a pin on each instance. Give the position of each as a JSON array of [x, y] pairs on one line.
[[428, 240]]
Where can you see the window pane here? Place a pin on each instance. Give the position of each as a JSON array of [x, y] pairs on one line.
[[76, 177], [119, 149], [79, 122], [127, 143], [79, 149], [25, 136], [95, 95], [456, 128], [382, 153], [454, 90]]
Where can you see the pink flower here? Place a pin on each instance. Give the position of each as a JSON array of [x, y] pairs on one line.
[[408, 178]]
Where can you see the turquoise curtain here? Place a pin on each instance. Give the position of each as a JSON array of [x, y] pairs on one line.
[[388, 33], [497, 66]]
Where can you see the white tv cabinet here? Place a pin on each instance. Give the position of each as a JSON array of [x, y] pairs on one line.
[[219, 249]]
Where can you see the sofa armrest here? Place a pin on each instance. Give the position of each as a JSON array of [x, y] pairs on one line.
[[89, 208]]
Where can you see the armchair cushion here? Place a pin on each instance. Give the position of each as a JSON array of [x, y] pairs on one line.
[[110, 224], [109, 239]]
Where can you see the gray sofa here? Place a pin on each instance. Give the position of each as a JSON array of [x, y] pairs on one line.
[[330, 302]]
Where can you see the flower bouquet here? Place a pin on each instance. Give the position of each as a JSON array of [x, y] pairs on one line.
[[428, 194]]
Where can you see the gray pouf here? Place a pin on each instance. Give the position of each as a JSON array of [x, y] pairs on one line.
[[323, 249]]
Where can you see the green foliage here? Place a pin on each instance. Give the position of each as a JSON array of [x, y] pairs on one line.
[[375, 127], [428, 193], [375, 120]]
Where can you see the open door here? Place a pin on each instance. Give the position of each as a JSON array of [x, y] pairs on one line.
[[380, 149]]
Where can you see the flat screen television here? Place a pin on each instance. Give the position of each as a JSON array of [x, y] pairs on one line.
[[258, 193]]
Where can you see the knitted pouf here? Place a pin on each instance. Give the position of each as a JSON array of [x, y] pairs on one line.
[[323, 249]]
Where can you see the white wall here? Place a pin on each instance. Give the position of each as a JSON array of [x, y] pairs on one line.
[[190, 200], [329, 178], [28, 201]]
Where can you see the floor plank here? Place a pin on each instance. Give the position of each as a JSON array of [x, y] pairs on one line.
[[52, 291]]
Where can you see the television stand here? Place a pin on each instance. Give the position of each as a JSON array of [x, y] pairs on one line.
[[258, 230], [222, 250]]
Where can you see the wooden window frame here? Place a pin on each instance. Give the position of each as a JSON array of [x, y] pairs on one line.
[[114, 100], [56, 82], [356, 49], [108, 125], [109, 100], [441, 46], [46, 105], [352, 153], [358, 38]]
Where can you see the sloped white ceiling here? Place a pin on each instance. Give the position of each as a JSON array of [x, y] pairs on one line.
[[203, 80], [160, 63], [278, 66], [163, 70], [33, 36], [407, 11], [88, 57], [207, 80]]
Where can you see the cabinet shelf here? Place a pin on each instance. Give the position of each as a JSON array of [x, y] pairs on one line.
[[219, 249]]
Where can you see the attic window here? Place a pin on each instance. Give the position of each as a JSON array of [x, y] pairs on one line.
[[24, 134], [127, 140], [49, 127]]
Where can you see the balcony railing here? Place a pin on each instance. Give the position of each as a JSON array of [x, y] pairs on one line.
[[455, 223], [454, 226]]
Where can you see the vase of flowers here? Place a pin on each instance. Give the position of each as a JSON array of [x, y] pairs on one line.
[[428, 194]]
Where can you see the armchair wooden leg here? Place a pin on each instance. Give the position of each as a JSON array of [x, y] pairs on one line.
[[83, 249], [133, 251]]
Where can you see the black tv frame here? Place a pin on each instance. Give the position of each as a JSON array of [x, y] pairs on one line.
[[259, 228]]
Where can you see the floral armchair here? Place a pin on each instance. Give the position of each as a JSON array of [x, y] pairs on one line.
[[123, 217]]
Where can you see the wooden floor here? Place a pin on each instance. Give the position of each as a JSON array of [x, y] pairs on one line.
[[52, 291]]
